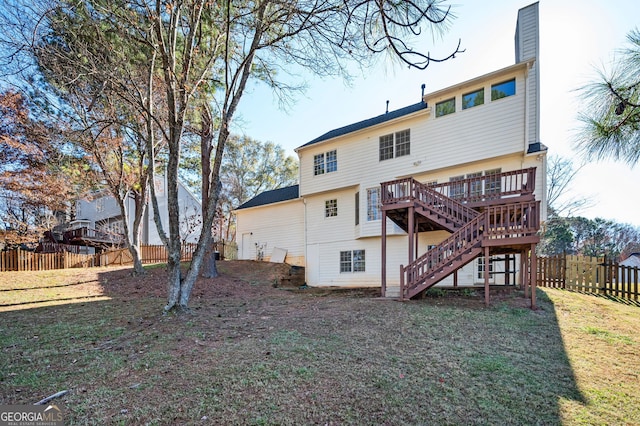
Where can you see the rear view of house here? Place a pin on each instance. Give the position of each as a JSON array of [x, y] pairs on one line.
[[447, 191]]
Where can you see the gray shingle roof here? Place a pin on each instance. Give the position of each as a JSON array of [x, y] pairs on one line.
[[368, 123], [273, 196]]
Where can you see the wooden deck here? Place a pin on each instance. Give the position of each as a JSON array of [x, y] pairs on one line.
[[93, 238], [486, 215]]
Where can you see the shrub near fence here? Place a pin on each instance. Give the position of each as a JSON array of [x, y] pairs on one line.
[[589, 275]]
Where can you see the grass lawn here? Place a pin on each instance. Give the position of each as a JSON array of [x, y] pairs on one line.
[[253, 354]]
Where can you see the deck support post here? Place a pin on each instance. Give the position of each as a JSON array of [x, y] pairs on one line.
[[411, 227], [527, 273], [507, 271], [522, 266], [383, 258], [486, 276], [534, 275]]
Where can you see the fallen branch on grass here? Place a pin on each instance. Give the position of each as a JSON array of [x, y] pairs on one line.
[[49, 398]]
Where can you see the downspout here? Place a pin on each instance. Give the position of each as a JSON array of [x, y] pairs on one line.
[[526, 112], [306, 269]]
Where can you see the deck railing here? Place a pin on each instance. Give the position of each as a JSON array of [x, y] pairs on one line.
[[91, 234], [490, 186], [513, 220], [469, 190]]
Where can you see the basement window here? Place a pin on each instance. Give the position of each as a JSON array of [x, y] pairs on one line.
[[352, 261]]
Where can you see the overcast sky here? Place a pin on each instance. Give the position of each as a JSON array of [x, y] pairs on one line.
[[576, 38]]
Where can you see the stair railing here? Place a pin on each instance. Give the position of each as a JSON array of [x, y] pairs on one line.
[[497, 222], [439, 256], [409, 190]]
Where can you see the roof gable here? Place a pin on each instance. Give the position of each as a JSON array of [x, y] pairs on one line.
[[367, 123], [274, 196]]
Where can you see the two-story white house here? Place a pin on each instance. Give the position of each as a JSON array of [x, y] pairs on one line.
[[99, 221], [448, 191]]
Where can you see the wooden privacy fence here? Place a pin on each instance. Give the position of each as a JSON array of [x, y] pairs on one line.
[[21, 260], [590, 275]]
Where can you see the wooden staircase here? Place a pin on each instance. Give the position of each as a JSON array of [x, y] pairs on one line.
[[499, 224], [450, 255]]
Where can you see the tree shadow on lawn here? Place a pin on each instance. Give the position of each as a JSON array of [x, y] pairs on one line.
[[250, 353]]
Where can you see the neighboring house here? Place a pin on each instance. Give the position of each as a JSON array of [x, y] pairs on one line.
[[99, 222], [450, 187], [632, 261]]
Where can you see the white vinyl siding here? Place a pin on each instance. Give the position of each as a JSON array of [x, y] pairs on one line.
[[436, 144], [278, 225]]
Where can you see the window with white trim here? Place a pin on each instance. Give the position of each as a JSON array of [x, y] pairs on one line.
[[503, 90], [331, 208], [493, 181], [325, 163], [456, 188], [446, 107], [373, 204], [100, 203], [480, 265], [475, 185], [469, 100], [318, 164], [395, 145], [352, 261], [331, 161]]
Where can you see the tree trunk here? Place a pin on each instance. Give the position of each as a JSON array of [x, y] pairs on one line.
[[209, 267], [138, 269]]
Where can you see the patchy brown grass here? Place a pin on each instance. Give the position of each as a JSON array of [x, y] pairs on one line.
[[251, 353]]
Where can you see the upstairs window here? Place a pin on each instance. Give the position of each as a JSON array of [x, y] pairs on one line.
[[446, 107], [473, 99], [100, 202], [395, 145], [504, 89], [331, 208], [331, 161], [386, 147], [318, 164], [403, 143], [325, 163], [357, 209]]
